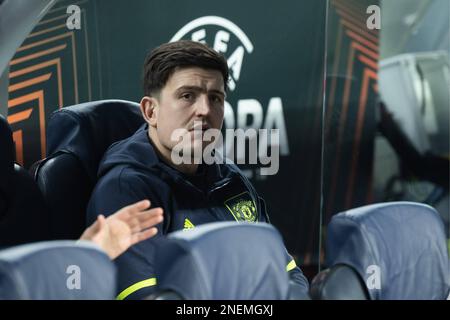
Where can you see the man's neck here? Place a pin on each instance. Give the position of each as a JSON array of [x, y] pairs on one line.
[[164, 154]]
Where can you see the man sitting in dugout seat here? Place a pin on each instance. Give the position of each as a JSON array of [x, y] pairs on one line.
[[185, 86]]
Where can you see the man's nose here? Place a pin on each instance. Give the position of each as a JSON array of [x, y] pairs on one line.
[[203, 106]]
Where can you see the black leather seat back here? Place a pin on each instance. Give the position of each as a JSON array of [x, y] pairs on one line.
[[77, 137], [6, 163], [23, 214], [67, 188], [339, 282]]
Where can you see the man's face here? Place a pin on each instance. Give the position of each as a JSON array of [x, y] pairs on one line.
[[191, 95]]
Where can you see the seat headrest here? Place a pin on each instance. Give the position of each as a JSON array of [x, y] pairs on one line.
[[224, 260], [88, 129], [51, 270], [398, 248]]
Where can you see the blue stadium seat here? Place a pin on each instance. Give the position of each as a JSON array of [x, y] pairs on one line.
[[56, 270], [223, 260], [398, 249]]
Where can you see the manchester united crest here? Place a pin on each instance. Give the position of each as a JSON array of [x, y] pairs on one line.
[[242, 207]]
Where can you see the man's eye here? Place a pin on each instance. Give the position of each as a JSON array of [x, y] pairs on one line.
[[216, 99], [187, 96]]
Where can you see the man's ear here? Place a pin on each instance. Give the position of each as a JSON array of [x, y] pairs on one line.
[[149, 109]]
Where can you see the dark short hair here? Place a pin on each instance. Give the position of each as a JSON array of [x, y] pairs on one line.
[[162, 61]]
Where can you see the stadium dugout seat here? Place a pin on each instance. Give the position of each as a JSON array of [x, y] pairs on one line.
[[56, 270], [77, 138], [223, 261], [398, 250], [340, 282], [23, 214]]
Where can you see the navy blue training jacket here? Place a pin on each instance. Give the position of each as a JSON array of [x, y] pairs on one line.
[[131, 171]]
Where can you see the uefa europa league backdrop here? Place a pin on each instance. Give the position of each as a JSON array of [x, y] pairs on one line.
[[276, 53]]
